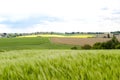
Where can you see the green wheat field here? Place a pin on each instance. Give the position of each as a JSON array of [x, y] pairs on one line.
[[60, 65]]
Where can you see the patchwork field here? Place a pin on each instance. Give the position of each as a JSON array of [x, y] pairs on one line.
[[46, 42], [60, 65], [79, 41], [30, 43]]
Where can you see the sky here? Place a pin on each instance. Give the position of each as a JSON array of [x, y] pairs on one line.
[[26, 16]]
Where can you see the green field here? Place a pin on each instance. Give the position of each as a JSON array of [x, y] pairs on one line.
[[30, 43], [60, 65]]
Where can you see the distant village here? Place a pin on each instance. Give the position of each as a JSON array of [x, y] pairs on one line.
[[98, 34]]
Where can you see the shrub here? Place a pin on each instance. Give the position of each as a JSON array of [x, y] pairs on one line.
[[117, 46], [97, 45], [109, 45], [86, 46], [2, 50], [74, 48]]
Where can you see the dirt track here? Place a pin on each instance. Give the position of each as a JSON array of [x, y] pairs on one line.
[[79, 41]]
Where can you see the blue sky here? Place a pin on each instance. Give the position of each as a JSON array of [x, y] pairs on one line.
[[59, 15]]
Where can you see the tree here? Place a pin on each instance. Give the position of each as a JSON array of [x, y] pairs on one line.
[[115, 40], [108, 35], [4, 35]]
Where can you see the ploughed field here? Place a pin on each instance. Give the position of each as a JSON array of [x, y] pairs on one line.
[[79, 41], [60, 65]]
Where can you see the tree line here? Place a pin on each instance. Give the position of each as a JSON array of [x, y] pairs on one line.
[[111, 44]]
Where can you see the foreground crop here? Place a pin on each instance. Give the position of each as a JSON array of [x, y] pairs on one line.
[[60, 65]]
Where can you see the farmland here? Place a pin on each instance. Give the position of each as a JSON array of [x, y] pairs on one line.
[[41, 58], [37, 42], [30, 43], [62, 35], [79, 41], [60, 65], [21, 43]]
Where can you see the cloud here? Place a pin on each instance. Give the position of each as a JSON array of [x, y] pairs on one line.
[[104, 8], [116, 12], [2, 19], [74, 26], [4, 28], [27, 22], [59, 15]]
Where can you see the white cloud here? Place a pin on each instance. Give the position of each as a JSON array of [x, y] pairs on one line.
[[4, 28], [2, 19], [78, 15], [75, 26]]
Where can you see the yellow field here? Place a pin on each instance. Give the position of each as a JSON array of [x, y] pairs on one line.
[[80, 36], [53, 35], [43, 35]]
